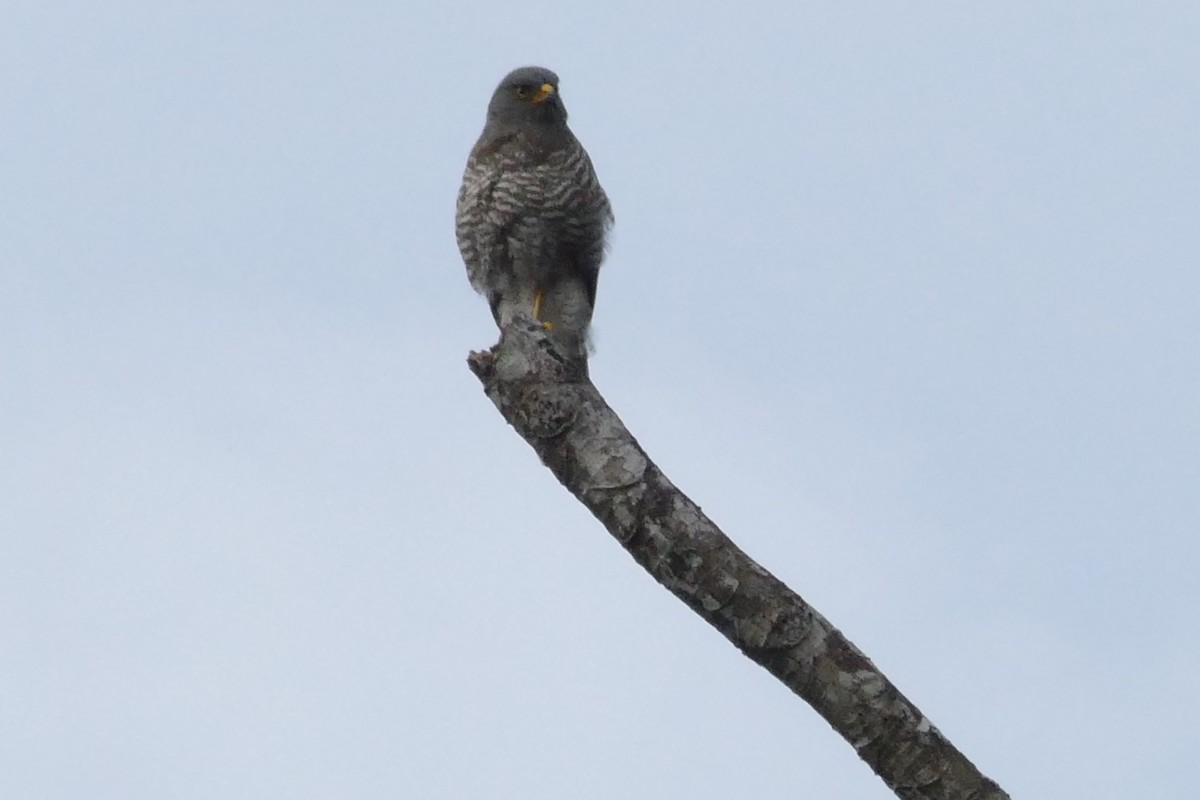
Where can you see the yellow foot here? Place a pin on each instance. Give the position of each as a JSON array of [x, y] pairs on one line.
[[538, 298]]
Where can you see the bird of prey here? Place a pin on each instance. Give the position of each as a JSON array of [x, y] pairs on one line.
[[531, 219]]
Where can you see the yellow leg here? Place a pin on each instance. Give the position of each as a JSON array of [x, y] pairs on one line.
[[538, 298]]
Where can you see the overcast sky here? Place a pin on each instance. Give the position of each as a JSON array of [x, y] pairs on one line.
[[905, 295]]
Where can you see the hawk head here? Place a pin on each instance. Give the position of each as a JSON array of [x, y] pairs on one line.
[[528, 94]]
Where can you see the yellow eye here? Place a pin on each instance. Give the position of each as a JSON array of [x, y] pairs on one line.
[[522, 92]]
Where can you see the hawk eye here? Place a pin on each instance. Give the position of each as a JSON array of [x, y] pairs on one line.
[[522, 92]]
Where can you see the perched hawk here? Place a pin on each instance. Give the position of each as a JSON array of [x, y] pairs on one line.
[[531, 217]]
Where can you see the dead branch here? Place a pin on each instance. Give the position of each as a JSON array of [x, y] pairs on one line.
[[554, 406]]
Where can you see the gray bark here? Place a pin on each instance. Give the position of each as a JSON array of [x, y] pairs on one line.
[[553, 406]]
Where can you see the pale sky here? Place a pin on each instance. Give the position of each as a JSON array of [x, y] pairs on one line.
[[906, 296]]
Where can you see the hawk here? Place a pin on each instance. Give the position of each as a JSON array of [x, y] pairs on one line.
[[532, 218]]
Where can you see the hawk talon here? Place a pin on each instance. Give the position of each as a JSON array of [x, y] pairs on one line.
[[539, 298]]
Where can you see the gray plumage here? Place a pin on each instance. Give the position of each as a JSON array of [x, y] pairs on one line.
[[532, 218]]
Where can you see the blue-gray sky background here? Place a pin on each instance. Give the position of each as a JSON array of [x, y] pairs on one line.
[[907, 296]]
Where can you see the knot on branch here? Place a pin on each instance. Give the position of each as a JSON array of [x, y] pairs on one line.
[[533, 384], [526, 352]]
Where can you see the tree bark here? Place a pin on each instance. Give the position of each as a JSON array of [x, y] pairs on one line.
[[554, 406]]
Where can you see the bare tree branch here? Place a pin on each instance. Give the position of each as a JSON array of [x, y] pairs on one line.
[[553, 406]]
